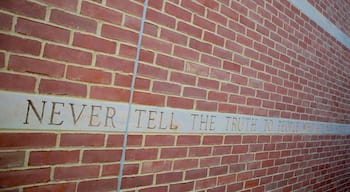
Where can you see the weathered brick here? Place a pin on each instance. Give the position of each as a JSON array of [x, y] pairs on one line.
[[88, 75], [73, 21], [61, 53], [113, 169], [102, 13], [67, 187], [108, 93], [37, 158], [13, 178], [11, 159], [155, 166], [159, 140], [76, 172], [19, 45], [25, 8], [37, 66], [17, 82], [62, 88], [27, 140], [136, 181], [168, 177], [41, 30], [6, 21], [98, 156], [94, 43]]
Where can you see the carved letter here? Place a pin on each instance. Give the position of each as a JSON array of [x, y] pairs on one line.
[[110, 116], [31, 106], [53, 113], [204, 122], [194, 120], [212, 122], [139, 117], [75, 120], [161, 121], [150, 119], [172, 126], [92, 115]]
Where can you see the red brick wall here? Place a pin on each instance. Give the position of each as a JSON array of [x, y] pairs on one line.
[[261, 58], [336, 11]]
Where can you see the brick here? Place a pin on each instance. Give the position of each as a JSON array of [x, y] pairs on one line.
[[212, 140], [196, 174], [240, 149], [97, 185], [222, 53], [61, 53], [73, 139], [189, 29], [94, 43], [130, 7], [170, 177], [235, 187], [37, 66], [217, 96], [193, 6], [251, 183], [101, 13], [62, 88], [98, 156], [187, 186], [173, 152], [179, 102], [64, 4], [2, 60], [137, 181], [226, 179], [249, 139], [130, 52], [204, 23], [67, 187], [24, 177], [194, 92], [213, 38], [161, 18], [17, 82], [117, 140], [178, 12], [166, 88], [244, 176], [113, 169], [88, 75], [205, 183], [170, 62], [229, 159], [221, 170], [201, 46], [6, 21], [11, 159], [188, 140], [109, 93], [153, 72], [199, 151], [182, 78], [206, 106], [149, 99], [37, 158], [173, 37], [156, 44], [231, 66], [76, 172], [227, 108], [158, 189], [25, 8], [184, 164], [197, 69], [222, 150], [120, 34], [156, 166], [141, 154], [73, 21], [210, 60], [19, 45], [27, 140], [209, 162], [41, 30], [159, 140], [114, 63], [208, 83]]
